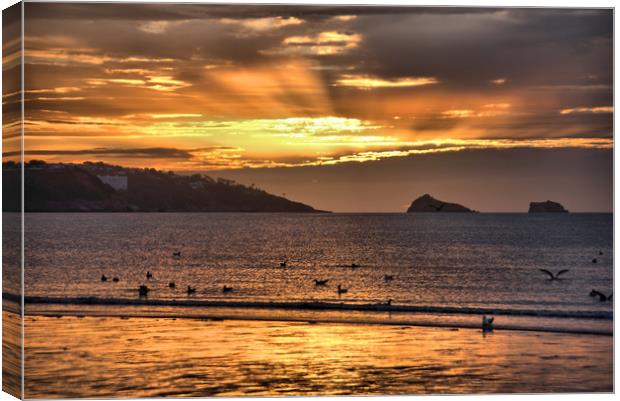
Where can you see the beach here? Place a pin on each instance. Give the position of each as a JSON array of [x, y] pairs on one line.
[[70, 356]]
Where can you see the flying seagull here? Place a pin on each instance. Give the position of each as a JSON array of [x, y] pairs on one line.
[[554, 276]]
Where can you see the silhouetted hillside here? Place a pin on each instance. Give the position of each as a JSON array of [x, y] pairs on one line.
[[81, 187]]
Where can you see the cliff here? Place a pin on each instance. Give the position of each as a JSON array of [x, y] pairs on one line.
[[428, 204], [546, 207], [81, 188]]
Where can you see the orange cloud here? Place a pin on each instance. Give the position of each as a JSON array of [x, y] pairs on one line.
[[163, 83], [262, 24], [324, 43], [369, 82], [158, 27], [345, 18], [593, 110]]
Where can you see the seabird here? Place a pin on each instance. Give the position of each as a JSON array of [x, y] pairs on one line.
[[104, 278], [389, 302], [149, 274], [554, 276], [601, 297], [354, 265], [115, 279], [190, 290], [487, 323], [177, 254], [227, 289], [594, 260], [320, 282], [172, 284], [282, 264], [143, 290], [342, 290], [388, 277]]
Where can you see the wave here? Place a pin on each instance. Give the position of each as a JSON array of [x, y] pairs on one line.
[[316, 306]]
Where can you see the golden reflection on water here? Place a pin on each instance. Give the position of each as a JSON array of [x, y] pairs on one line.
[[11, 350], [140, 357]]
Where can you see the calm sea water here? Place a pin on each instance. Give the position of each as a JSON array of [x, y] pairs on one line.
[[438, 260]]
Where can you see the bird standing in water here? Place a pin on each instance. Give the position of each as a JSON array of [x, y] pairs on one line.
[[143, 290], [487, 323], [601, 297]]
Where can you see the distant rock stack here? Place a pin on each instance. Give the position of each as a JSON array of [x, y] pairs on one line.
[[546, 207], [428, 204]]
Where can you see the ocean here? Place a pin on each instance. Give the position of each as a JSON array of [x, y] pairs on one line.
[[454, 261]]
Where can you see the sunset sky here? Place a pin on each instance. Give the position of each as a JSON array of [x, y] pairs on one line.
[[344, 108]]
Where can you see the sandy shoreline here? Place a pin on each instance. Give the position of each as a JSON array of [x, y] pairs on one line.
[[89, 356], [447, 321]]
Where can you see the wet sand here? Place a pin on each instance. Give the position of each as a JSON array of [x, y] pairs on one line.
[[72, 356]]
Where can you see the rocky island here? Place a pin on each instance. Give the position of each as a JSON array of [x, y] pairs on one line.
[[428, 204], [546, 207]]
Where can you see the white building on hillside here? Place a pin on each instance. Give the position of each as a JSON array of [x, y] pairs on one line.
[[197, 185], [118, 182]]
